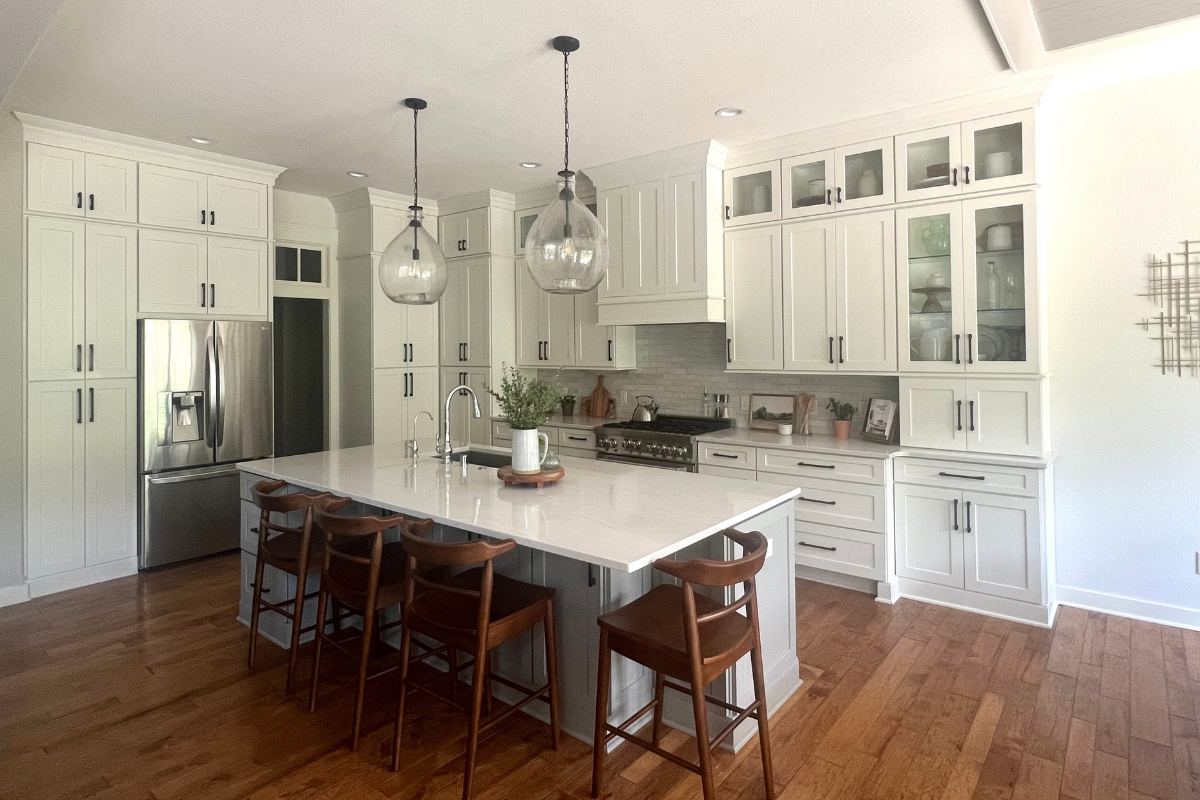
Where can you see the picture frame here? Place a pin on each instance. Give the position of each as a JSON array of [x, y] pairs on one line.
[[880, 421], [768, 411]]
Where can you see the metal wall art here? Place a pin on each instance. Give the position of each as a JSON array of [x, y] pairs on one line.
[[1174, 287]]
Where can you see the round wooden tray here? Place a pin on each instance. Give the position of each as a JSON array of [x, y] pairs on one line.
[[538, 479]]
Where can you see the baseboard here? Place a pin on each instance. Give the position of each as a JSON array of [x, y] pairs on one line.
[[39, 587], [1015, 610], [865, 585], [11, 595], [1144, 610]]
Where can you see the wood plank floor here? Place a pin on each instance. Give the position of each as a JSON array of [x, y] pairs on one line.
[[138, 689]]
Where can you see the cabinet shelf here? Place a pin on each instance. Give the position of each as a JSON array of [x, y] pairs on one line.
[[1016, 251], [920, 259]]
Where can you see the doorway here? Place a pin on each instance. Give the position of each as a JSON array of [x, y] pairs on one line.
[[300, 378]]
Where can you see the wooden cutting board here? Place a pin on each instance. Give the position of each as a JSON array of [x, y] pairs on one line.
[[597, 401]]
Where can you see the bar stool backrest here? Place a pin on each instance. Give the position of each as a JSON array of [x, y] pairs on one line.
[[269, 503], [707, 572]]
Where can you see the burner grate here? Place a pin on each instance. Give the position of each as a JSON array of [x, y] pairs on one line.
[[683, 426]]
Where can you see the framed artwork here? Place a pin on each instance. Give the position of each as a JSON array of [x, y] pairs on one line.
[[879, 423], [767, 411]]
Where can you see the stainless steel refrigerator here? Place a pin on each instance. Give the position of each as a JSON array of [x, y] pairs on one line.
[[204, 404]]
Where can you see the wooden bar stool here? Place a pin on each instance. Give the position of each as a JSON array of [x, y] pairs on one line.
[[687, 636], [293, 550], [474, 610], [364, 575]]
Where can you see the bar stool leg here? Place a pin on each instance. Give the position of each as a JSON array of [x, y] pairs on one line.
[[322, 602], [764, 733], [700, 711], [552, 670], [259, 569], [364, 662], [297, 623], [402, 692], [487, 683], [452, 672], [659, 690], [602, 681], [478, 682]]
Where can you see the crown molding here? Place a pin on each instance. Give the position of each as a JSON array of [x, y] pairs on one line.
[[368, 196], [487, 198], [695, 157]]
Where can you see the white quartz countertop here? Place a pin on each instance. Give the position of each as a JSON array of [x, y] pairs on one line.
[[613, 515], [812, 444]]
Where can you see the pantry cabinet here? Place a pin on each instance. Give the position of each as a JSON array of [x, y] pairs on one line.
[[178, 198], [981, 415], [110, 301], [466, 314], [77, 184]]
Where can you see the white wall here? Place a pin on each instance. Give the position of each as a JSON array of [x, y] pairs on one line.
[[1121, 170]]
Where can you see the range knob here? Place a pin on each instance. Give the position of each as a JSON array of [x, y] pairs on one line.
[[679, 452]]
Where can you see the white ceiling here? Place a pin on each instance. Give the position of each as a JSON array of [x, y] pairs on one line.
[[316, 86], [1065, 23]]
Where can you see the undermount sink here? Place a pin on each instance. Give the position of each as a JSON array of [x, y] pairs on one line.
[[482, 458]]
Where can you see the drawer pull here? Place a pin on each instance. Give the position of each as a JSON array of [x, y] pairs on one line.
[[817, 546], [814, 500], [722, 455], [577, 438], [964, 477], [816, 466]]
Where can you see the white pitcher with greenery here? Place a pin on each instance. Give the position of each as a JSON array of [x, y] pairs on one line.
[[526, 403]]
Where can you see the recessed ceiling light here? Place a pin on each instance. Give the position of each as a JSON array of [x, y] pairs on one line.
[[354, 174], [530, 164], [730, 111], [200, 140]]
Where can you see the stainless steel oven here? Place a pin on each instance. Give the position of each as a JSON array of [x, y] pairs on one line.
[[646, 462]]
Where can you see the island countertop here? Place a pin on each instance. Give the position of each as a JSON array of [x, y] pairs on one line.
[[613, 515]]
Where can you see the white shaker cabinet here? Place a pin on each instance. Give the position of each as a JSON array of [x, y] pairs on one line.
[[238, 278], [611, 205], [55, 299], [172, 198], [866, 292], [110, 188], [110, 470], [752, 194], [685, 259], [110, 301], [545, 325], [464, 427], [931, 413], [809, 296], [929, 534], [464, 233], [998, 152], [54, 180], [1002, 545], [753, 299], [172, 273], [398, 396], [465, 313], [237, 207], [601, 346], [55, 511], [402, 335], [979, 415]]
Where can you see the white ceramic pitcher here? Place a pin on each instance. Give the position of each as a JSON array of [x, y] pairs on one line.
[[529, 450]]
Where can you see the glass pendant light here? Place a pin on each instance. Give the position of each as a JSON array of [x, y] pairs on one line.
[[567, 249], [412, 269]]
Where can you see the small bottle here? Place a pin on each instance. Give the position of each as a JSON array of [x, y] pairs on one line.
[[993, 286]]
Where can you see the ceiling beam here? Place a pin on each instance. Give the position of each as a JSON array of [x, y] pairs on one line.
[[1016, 32]]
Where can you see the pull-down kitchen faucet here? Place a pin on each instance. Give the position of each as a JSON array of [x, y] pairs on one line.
[[445, 449]]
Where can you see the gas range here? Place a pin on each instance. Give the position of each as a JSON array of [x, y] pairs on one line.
[[669, 442]]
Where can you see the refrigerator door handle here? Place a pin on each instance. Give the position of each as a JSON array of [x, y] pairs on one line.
[[157, 481], [210, 388], [219, 349]]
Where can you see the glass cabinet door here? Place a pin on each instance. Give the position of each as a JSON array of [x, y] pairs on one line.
[[928, 164], [865, 175], [1000, 279], [752, 194], [525, 220], [808, 184], [998, 151], [929, 245]]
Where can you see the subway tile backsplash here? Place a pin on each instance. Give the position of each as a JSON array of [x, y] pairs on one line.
[[677, 364]]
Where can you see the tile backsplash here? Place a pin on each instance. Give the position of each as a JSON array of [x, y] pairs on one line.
[[677, 364]]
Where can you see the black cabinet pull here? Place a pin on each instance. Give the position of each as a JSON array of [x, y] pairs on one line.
[[958, 414], [839, 198], [814, 500], [203, 216], [957, 341], [721, 455], [727, 212], [954, 181], [829, 197], [970, 349], [964, 477], [577, 438], [729, 351], [955, 511], [91, 202], [79, 199], [841, 349], [212, 295], [816, 466], [212, 218], [79, 406], [972, 414], [466, 351], [253, 530], [610, 350], [830, 349], [79, 358], [91, 358], [968, 516], [203, 294], [91, 404], [966, 174], [817, 546]]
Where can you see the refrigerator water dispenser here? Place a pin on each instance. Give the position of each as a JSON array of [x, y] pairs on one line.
[[187, 417]]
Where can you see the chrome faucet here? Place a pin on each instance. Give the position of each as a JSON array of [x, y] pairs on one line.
[[411, 446], [445, 449]]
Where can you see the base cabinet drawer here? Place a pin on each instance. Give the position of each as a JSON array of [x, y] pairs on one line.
[[960, 475], [841, 550], [727, 455], [847, 505], [727, 472], [501, 431], [577, 438], [842, 468]]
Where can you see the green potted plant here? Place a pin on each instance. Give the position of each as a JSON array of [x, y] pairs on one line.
[[568, 405], [842, 413], [525, 403]]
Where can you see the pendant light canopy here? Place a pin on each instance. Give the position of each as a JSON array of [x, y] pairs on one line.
[[412, 269], [567, 249]]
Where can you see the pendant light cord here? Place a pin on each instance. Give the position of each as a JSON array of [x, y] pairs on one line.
[[416, 202], [566, 112]]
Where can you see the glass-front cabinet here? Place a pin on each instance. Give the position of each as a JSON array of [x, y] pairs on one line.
[[752, 194], [929, 164], [998, 152], [808, 184], [864, 175], [525, 220], [968, 274]]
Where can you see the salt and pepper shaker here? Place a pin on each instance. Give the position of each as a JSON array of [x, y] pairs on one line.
[[463, 461]]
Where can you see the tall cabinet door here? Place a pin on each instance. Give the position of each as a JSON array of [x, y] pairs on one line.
[[111, 470], [389, 404], [929, 277], [644, 243], [866, 292], [172, 273], [55, 493], [686, 257], [55, 300], [54, 180], [110, 289], [594, 345], [111, 188], [929, 531], [809, 296], [237, 278], [530, 318], [753, 301], [389, 327], [172, 198], [611, 207], [422, 396], [421, 333], [454, 307], [1002, 546], [560, 330], [478, 312]]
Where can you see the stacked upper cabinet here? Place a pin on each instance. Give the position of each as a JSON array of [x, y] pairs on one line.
[[977, 156]]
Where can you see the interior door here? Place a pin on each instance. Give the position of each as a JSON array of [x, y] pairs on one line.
[[237, 208], [54, 492], [111, 188], [866, 292], [929, 531], [172, 198], [172, 273], [55, 299], [237, 278], [110, 437], [809, 296], [932, 413], [753, 300], [55, 179], [612, 210], [929, 277], [1001, 546], [110, 289]]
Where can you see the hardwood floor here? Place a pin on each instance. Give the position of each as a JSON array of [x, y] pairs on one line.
[[138, 689]]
